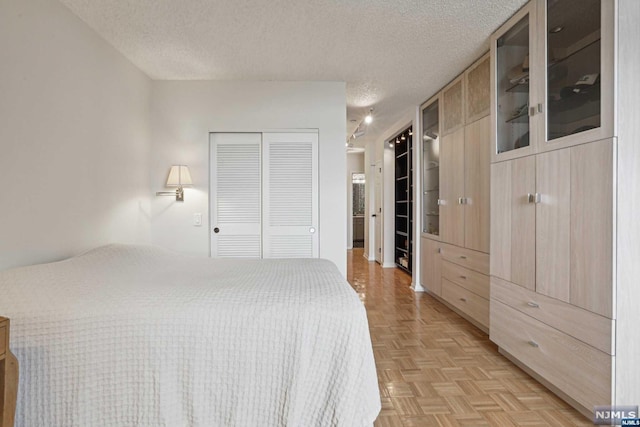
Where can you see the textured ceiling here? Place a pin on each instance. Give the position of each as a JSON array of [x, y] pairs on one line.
[[392, 54]]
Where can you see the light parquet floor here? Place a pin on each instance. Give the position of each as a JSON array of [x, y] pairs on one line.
[[436, 369]]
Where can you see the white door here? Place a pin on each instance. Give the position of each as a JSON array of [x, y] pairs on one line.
[[377, 215], [235, 202], [290, 195], [264, 195]]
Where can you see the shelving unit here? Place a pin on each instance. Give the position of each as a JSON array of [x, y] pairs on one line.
[[431, 168], [558, 297], [403, 143]]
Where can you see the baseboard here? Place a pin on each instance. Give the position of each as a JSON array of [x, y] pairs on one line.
[[368, 258], [417, 287], [388, 265]]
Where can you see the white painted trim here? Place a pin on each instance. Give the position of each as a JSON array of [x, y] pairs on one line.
[[417, 202], [416, 287], [387, 264]]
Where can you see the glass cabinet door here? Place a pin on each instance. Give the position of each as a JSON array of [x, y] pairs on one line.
[[431, 169], [573, 67], [512, 74]]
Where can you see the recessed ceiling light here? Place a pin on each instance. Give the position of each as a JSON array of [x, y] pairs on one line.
[[556, 30], [403, 137]]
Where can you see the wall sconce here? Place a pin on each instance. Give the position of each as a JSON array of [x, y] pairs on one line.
[[179, 176]]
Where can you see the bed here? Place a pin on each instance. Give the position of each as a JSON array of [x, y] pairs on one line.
[[140, 336]]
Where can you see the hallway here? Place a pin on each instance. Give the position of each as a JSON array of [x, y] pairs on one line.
[[436, 369]]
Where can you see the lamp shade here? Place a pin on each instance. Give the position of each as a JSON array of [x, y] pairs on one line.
[[179, 176]]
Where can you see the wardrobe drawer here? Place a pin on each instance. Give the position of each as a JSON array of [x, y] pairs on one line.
[[476, 261], [466, 301], [579, 370], [477, 283], [577, 322]]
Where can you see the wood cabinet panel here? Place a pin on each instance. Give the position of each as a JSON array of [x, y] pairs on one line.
[[552, 224], [523, 222], [452, 188], [579, 370], [3, 340], [478, 90], [477, 186], [582, 324], [467, 302], [501, 220], [452, 106], [474, 260], [592, 191], [431, 266], [473, 281]]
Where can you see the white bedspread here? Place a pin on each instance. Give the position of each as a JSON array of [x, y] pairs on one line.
[[139, 336]]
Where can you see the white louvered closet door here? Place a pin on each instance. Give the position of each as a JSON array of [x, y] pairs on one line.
[[236, 201], [290, 195]]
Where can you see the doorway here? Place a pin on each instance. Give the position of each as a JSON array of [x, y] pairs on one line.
[[357, 203]]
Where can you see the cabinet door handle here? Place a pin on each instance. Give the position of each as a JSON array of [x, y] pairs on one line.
[[534, 197], [533, 304], [539, 108], [533, 344], [439, 250], [463, 257], [463, 277], [440, 202], [463, 299], [460, 201]]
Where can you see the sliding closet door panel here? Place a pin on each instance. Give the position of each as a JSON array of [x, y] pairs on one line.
[[235, 202], [290, 186]]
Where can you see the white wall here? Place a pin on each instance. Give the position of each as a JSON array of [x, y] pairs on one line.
[[184, 113], [74, 144], [355, 164]]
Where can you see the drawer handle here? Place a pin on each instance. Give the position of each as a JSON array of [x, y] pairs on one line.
[[533, 344], [463, 299], [533, 304], [463, 277], [463, 257]]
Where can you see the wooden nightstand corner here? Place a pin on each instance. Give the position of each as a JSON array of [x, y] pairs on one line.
[[8, 377]]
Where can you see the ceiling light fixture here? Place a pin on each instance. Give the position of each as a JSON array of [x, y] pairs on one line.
[[361, 129], [369, 117]]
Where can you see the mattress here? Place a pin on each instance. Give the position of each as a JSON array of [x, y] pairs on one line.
[[140, 336]]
